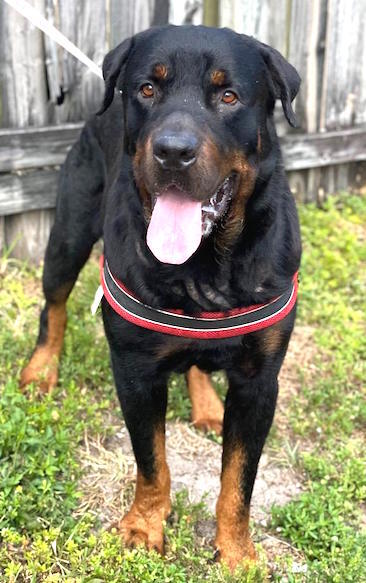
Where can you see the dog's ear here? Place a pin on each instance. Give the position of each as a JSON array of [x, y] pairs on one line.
[[284, 79], [113, 66]]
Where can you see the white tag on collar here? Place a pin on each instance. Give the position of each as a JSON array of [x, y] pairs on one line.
[[97, 299]]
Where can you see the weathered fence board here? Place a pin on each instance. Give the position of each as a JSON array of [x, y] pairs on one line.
[[189, 11], [304, 151], [306, 50], [28, 233], [127, 18], [35, 189], [36, 147], [313, 185], [161, 12], [23, 82], [344, 88], [24, 101], [85, 24], [306, 53], [266, 20]]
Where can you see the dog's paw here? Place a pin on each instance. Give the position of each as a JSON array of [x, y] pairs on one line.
[[42, 370], [207, 425], [234, 554], [143, 530]]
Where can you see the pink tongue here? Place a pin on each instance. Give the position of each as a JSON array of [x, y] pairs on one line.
[[175, 228]]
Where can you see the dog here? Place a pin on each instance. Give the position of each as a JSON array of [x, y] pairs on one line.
[[181, 174]]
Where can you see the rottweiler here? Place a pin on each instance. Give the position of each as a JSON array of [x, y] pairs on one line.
[[181, 174]]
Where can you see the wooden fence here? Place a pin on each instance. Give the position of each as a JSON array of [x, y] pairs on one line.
[[45, 93]]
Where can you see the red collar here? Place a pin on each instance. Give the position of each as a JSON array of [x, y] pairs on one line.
[[204, 325]]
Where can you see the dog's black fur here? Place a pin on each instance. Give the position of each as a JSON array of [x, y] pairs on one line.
[[105, 191]]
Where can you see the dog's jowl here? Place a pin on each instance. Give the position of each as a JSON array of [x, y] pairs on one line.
[[181, 174]]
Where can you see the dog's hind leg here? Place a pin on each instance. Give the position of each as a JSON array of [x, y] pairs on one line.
[[78, 225], [207, 407]]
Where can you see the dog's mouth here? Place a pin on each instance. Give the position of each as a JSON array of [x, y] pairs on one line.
[[178, 222], [216, 207]]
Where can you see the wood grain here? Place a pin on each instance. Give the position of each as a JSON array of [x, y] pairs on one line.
[[127, 18], [23, 78], [36, 147], [266, 20], [29, 233], [24, 102], [31, 190], [344, 83], [189, 12], [306, 53], [303, 151], [85, 24]]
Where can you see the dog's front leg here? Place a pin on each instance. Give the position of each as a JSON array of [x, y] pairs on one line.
[[249, 410], [143, 399]]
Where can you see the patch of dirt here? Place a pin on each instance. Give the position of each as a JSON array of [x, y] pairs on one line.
[[300, 355], [195, 465]]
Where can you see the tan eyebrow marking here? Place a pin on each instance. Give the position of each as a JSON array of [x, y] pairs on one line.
[[160, 71], [218, 77]]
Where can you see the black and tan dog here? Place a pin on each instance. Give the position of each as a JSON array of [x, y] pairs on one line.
[[182, 176]]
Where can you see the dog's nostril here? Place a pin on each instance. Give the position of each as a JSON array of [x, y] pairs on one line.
[[175, 151], [162, 152], [188, 154]]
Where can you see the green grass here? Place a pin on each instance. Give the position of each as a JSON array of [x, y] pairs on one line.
[[42, 538], [326, 522], [82, 553]]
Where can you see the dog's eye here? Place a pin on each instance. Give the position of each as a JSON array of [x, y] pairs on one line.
[[229, 97], [147, 90]]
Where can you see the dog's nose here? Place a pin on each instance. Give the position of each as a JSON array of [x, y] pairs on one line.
[[175, 151]]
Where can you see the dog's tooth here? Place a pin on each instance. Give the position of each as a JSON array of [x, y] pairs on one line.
[[207, 226]]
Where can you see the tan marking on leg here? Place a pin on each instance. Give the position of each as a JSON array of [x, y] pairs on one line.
[[143, 524], [207, 408], [233, 540], [272, 339], [43, 366]]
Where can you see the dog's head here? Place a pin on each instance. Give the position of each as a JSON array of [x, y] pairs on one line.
[[198, 104]]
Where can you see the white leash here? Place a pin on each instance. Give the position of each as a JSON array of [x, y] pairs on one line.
[[31, 14]]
